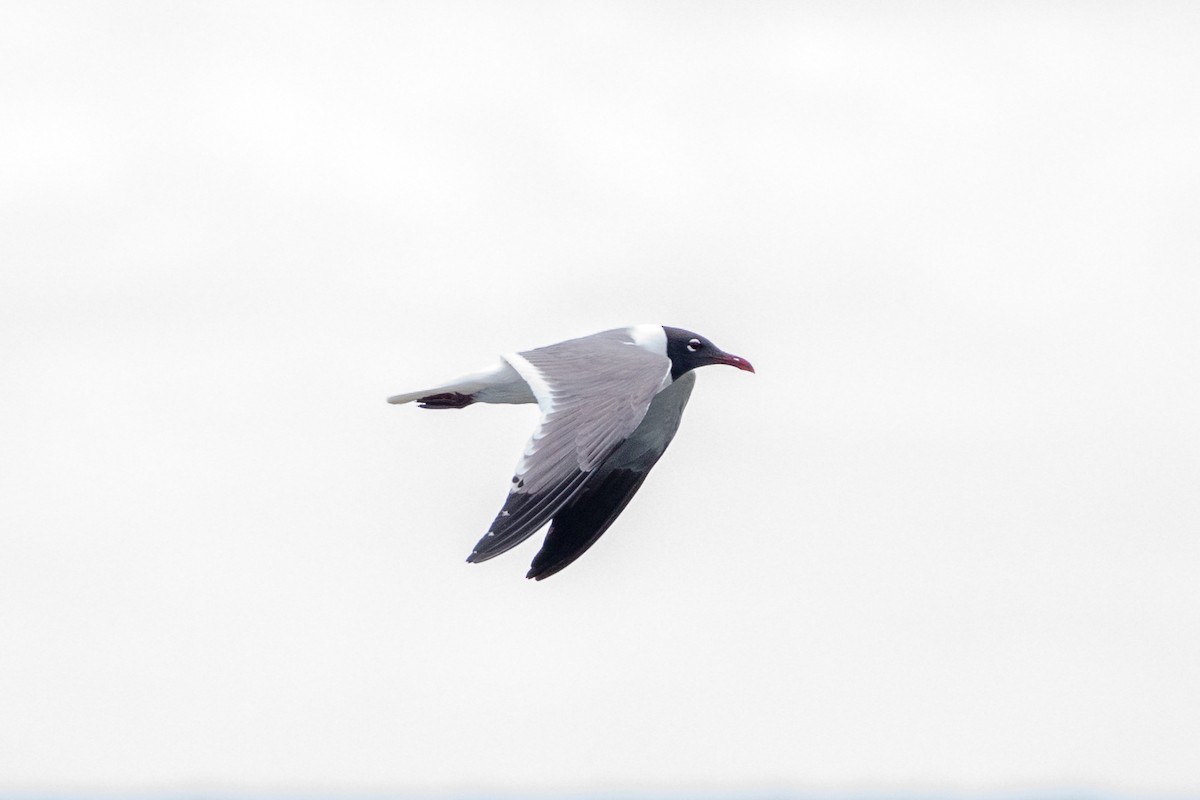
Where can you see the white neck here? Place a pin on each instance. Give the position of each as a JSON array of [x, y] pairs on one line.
[[649, 337]]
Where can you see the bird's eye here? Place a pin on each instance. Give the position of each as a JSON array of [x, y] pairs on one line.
[[694, 345]]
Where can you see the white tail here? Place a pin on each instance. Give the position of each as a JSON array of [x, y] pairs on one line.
[[398, 399], [499, 384], [467, 385]]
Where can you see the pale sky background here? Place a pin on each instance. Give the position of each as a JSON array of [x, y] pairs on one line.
[[945, 539]]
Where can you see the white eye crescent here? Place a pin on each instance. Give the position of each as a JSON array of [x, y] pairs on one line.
[[693, 345]]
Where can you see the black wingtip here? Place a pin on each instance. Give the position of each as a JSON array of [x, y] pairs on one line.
[[539, 572]]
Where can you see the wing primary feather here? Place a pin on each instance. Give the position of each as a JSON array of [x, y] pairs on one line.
[[522, 516], [578, 525]]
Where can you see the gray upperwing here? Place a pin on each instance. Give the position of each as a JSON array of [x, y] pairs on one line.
[[594, 393]]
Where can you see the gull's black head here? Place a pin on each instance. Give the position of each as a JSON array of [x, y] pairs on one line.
[[689, 350]]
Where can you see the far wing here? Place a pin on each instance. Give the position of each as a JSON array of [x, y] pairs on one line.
[[593, 392], [577, 526]]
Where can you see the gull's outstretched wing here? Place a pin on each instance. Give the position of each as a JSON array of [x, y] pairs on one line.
[[594, 392]]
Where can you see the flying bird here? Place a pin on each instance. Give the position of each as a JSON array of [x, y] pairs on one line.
[[610, 402]]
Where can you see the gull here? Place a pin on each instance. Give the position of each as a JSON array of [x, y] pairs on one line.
[[610, 404]]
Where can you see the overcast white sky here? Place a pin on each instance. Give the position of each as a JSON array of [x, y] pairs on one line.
[[946, 538]]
